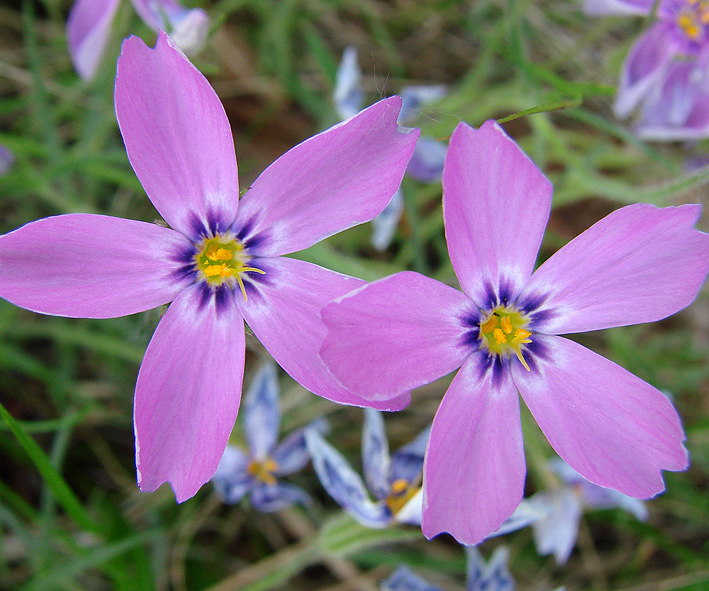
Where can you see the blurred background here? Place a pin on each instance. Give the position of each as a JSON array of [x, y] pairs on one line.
[[71, 515]]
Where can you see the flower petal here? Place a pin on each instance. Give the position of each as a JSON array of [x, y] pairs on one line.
[[404, 580], [414, 98], [385, 224], [348, 95], [90, 266], [594, 496], [283, 310], [188, 391], [177, 137], [269, 498], [493, 576], [411, 512], [619, 7], [407, 461], [644, 67], [495, 207], [678, 108], [232, 479], [474, 471], [426, 164], [344, 484], [638, 264], [88, 28], [292, 454], [556, 532], [261, 415], [375, 453], [610, 426], [525, 514], [395, 334], [339, 178], [187, 28]]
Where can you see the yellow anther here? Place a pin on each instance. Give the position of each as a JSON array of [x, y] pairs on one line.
[[216, 271], [222, 254], [504, 332], [400, 493], [222, 258], [489, 325], [521, 336], [399, 486], [264, 470]]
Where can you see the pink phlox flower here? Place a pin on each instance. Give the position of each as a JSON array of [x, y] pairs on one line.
[[219, 262], [665, 74], [258, 471], [639, 264], [89, 26]]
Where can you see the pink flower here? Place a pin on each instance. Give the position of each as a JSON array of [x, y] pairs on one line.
[[221, 262], [639, 264], [89, 26], [665, 73]]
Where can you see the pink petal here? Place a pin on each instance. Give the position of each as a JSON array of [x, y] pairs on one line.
[[177, 137], [644, 67], [90, 266], [283, 310], [88, 28], [188, 391], [474, 469], [610, 426], [495, 206], [339, 178], [678, 109], [395, 334], [638, 264]]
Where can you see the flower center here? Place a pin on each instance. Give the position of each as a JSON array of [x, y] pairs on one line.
[[401, 493], [693, 18], [263, 470], [222, 259], [504, 331]]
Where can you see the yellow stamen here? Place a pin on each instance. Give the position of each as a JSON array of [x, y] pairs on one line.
[[264, 470], [401, 492], [399, 486], [504, 332], [500, 337], [489, 325], [222, 259]]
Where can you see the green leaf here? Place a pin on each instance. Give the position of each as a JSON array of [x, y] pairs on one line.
[[342, 536], [57, 485]]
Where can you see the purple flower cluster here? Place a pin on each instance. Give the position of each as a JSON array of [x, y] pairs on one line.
[[666, 73], [222, 262]]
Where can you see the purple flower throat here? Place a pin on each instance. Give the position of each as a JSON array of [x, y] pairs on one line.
[[220, 259], [691, 16]]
